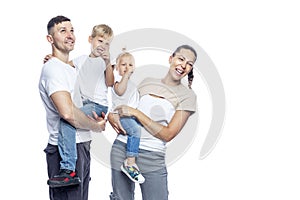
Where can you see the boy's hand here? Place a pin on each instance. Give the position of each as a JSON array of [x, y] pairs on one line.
[[47, 57], [106, 56]]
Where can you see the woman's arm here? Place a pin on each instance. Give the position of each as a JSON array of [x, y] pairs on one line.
[[165, 133]]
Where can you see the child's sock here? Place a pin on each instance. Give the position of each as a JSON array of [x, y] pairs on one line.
[[130, 161]]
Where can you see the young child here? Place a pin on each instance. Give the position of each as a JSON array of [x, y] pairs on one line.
[[95, 75], [125, 92]]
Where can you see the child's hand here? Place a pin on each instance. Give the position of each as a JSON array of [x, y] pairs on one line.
[[130, 69], [106, 56], [47, 57]]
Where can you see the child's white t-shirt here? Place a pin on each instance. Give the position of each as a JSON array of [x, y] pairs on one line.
[[91, 78], [130, 96]]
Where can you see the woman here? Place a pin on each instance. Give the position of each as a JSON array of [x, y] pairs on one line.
[[165, 106]]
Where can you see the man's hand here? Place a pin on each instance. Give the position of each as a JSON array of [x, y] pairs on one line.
[[101, 121]]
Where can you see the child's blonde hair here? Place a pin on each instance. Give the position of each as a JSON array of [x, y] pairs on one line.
[[124, 53], [102, 30]]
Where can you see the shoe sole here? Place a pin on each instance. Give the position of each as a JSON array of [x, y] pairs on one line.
[[55, 185], [125, 172]]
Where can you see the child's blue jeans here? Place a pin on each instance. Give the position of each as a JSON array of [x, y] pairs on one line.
[[67, 136], [133, 131]]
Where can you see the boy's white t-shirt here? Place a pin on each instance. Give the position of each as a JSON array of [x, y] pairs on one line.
[[161, 110], [58, 76], [91, 79]]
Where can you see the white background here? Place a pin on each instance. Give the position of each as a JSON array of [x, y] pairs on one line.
[[255, 46]]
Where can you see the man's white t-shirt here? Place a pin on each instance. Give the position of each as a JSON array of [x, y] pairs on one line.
[[59, 76]]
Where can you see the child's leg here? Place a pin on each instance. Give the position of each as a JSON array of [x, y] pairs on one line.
[[67, 137], [133, 131], [129, 166], [67, 148], [90, 106], [68, 153], [67, 145]]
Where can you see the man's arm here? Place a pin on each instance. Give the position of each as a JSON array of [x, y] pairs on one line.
[[69, 112]]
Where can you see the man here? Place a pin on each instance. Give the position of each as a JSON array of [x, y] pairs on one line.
[[58, 93]]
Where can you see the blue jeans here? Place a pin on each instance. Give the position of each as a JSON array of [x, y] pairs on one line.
[[153, 168], [133, 131], [67, 136]]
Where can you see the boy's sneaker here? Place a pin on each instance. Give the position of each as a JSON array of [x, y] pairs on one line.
[[133, 173], [64, 178]]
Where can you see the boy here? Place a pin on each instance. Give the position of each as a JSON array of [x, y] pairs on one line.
[[95, 75]]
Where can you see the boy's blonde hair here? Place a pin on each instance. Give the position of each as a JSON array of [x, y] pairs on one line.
[[102, 30]]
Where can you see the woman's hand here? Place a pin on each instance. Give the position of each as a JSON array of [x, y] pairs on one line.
[[114, 120], [125, 111]]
